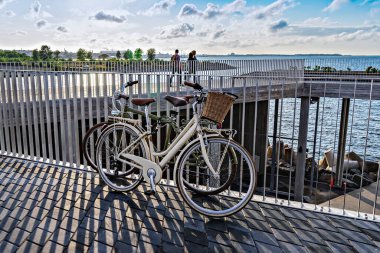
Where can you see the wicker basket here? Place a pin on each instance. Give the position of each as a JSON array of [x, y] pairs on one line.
[[217, 106]]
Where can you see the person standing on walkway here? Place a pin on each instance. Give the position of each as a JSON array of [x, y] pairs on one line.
[[192, 61], [191, 65], [194, 54], [176, 65]]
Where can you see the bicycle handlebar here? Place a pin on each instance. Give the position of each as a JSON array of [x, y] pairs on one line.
[[122, 96], [195, 86], [131, 83]]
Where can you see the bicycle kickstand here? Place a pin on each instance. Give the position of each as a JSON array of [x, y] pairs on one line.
[[152, 174]]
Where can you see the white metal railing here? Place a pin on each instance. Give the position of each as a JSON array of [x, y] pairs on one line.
[[209, 67], [44, 115]]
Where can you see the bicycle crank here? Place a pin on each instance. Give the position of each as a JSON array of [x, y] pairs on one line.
[[152, 172]]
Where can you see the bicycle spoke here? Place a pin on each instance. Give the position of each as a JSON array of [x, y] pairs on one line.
[[224, 193], [119, 175]]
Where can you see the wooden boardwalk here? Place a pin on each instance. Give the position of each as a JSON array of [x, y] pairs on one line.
[[44, 208]]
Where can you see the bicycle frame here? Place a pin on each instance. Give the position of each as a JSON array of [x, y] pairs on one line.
[[192, 128], [162, 120]]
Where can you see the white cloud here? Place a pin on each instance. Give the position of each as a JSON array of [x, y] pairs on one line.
[[161, 7], [370, 2], [19, 33], [176, 31], [235, 6], [231, 44], [360, 34], [273, 10], [212, 10], [211, 32], [374, 12], [4, 2], [36, 12], [101, 15], [41, 23], [295, 41], [78, 12], [318, 21], [35, 9], [279, 25], [62, 29], [335, 5], [218, 34], [188, 10], [128, 1], [9, 14], [202, 34], [144, 40]]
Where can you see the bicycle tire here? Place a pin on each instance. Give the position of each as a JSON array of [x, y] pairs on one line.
[[86, 143], [196, 203], [110, 175], [222, 188]]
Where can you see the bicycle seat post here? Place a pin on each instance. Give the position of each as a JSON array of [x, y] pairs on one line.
[[148, 126]]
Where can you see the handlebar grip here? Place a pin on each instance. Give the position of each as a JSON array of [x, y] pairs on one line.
[[195, 86], [131, 83], [123, 96]]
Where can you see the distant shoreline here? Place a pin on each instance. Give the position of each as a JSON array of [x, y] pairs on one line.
[[267, 56]]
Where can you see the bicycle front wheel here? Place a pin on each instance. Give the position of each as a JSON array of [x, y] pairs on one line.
[[115, 173], [227, 195]]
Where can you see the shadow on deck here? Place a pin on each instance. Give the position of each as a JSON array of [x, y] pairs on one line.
[[50, 209]]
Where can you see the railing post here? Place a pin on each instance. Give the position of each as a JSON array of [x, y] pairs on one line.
[[342, 140], [301, 150], [261, 124], [274, 145]]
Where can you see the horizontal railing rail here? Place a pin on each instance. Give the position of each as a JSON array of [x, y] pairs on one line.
[[207, 67]]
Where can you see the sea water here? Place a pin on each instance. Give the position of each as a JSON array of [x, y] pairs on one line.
[[363, 133]]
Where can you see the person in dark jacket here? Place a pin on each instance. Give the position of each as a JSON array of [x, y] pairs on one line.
[[191, 63], [194, 54], [176, 65]]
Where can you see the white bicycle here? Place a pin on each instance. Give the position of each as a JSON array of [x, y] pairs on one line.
[[215, 175]]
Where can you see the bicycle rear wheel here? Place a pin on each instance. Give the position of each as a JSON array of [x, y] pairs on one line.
[[88, 143], [239, 190], [115, 173]]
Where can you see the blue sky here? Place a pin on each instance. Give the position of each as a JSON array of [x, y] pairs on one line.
[[210, 27]]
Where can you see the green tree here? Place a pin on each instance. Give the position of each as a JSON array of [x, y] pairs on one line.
[[128, 55], [118, 54], [65, 54], [81, 54], [13, 55], [89, 55], [138, 54], [45, 53], [56, 54], [371, 69], [103, 56], [151, 53], [35, 55]]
